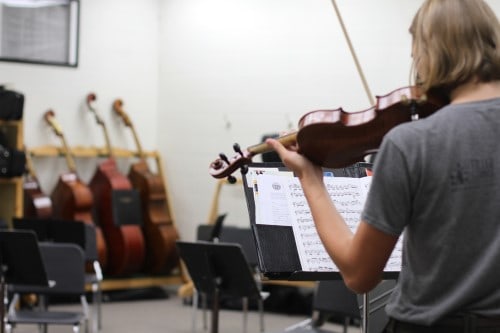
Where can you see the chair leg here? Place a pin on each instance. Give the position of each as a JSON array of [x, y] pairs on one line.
[[98, 293], [194, 309], [97, 297], [346, 324], [43, 328], [204, 305], [245, 314], [261, 313]]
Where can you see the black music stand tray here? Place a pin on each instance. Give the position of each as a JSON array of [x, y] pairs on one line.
[[218, 269], [21, 263]]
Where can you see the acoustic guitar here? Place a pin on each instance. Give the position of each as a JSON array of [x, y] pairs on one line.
[[37, 204], [118, 211], [71, 197], [159, 230]]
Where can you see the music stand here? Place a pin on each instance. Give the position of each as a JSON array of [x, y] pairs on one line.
[[218, 269], [21, 263]]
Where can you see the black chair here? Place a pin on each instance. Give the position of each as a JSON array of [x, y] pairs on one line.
[[331, 299], [64, 264], [81, 234], [377, 299]]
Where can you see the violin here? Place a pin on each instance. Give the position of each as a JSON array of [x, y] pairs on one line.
[[336, 138]]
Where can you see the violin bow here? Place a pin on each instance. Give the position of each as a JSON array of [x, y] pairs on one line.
[[353, 54]]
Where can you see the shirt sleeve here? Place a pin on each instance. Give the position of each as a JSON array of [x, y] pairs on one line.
[[388, 204]]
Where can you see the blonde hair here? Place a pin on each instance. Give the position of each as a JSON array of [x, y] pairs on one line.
[[455, 41]]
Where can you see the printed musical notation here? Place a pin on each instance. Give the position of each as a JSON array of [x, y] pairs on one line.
[[281, 201]]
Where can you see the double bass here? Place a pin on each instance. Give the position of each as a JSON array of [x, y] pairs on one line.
[[160, 231], [37, 204], [71, 197], [113, 194]]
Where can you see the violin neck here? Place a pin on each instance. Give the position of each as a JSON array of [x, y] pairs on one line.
[[286, 140]]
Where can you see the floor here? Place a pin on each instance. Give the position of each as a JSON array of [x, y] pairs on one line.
[[173, 315]]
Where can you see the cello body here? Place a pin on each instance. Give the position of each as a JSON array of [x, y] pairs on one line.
[[159, 230], [36, 203], [126, 246], [73, 200]]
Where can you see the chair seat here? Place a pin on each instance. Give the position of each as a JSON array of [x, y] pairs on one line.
[[46, 317]]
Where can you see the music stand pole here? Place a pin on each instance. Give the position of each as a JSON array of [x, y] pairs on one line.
[[2, 293], [364, 324], [215, 312]]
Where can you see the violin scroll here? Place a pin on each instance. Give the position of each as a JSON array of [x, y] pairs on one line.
[[224, 166]]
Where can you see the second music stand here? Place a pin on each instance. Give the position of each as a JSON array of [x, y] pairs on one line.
[[218, 269]]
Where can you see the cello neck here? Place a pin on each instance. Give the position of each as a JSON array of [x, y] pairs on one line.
[[29, 164], [90, 98], [118, 108], [50, 119]]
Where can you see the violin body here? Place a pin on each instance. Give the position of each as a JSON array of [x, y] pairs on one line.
[[73, 200], [126, 245], [160, 232], [336, 138]]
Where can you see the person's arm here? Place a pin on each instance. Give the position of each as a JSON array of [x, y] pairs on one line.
[[360, 257]]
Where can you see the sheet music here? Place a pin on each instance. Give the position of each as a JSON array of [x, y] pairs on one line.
[[271, 205], [282, 199]]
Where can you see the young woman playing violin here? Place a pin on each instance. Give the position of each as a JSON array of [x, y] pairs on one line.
[[436, 180]]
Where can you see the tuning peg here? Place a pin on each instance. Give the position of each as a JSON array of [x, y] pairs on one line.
[[244, 169], [237, 149], [224, 158], [231, 179]]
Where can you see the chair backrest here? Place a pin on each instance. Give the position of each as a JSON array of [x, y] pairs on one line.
[[62, 231], [333, 297], [65, 267], [233, 234]]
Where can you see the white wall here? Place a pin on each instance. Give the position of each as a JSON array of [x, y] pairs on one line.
[[232, 70]]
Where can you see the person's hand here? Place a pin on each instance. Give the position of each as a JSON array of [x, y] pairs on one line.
[[296, 162]]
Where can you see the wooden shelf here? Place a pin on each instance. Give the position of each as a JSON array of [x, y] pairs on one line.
[[11, 189], [110, 283], [87, 152]]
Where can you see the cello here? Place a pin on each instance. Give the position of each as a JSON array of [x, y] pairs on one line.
[[71, 197], [159, 229], [113, 193], [37, 204]]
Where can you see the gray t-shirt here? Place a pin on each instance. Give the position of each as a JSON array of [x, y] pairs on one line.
[[438, 180]]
